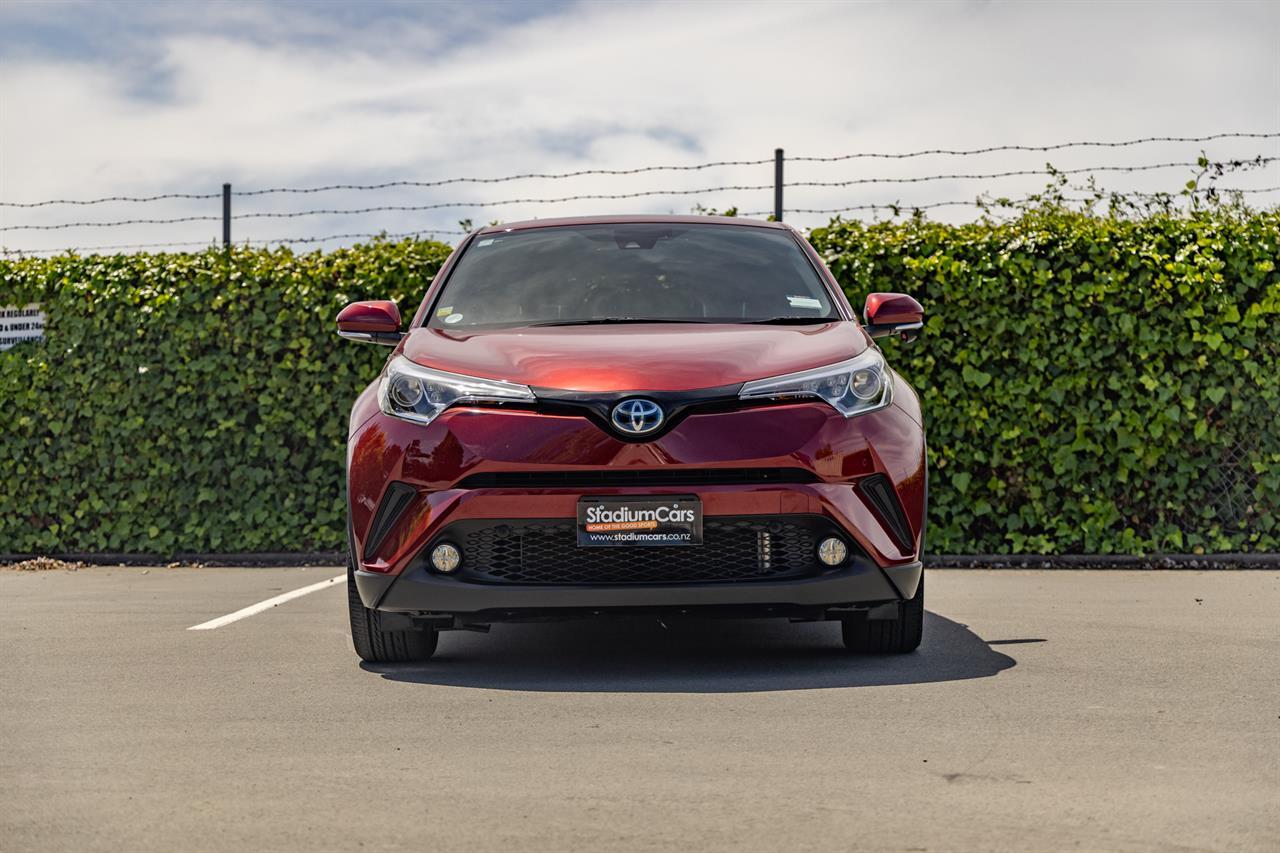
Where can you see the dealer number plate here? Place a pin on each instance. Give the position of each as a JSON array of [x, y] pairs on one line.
[[646, 521]]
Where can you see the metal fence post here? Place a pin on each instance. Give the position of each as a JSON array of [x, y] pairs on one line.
[[777, 184], [226, 216]]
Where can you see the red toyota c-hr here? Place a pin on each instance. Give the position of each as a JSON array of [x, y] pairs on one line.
[[650, 413]]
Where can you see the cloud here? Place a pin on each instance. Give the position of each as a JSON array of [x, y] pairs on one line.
[[138, 99]]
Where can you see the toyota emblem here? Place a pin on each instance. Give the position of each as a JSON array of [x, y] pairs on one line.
[[637, 417]]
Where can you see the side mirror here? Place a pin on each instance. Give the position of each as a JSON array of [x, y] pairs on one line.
[[374, 322], [888, 314]]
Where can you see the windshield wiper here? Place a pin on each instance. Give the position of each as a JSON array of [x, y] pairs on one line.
[[792, 321], [600, 321]]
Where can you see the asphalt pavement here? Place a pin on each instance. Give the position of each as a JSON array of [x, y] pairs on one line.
[[1046, 710]]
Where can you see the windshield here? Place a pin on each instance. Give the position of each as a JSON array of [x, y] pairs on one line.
[[631, 272]]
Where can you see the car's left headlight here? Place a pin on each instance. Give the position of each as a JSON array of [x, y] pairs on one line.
[[416, 393], [854, 387]]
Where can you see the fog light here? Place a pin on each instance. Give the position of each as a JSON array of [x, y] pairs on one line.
[[832, 551], [446, 557]]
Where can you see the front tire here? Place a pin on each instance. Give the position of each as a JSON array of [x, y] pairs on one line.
[[887, 636], [375, 645]]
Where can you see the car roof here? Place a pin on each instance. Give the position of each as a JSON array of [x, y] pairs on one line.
[[638, 219]]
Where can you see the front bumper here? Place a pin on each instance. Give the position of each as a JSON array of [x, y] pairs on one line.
[[418, 591], [478, 465]]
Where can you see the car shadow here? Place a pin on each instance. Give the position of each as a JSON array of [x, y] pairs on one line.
[[643, 655]]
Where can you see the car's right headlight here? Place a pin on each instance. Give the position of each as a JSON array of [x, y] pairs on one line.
[[854, 387], [416, 393]]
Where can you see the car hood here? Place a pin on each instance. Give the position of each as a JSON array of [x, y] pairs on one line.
[[641, 357]]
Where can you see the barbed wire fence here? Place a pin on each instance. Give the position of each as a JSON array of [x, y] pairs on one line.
[[1201, 168]]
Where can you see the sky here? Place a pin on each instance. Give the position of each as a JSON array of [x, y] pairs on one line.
[[101, 99]]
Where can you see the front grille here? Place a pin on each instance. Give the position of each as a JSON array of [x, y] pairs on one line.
[[645, 477], [742, 548]]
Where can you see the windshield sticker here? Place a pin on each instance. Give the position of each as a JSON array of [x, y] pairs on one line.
[[485, 242], [453, 318], [804, 302], [444, 312]]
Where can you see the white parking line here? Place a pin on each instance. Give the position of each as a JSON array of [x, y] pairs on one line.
[[246, 612]]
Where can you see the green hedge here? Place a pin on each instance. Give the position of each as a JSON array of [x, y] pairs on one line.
[[188, 402], [1090, 385]]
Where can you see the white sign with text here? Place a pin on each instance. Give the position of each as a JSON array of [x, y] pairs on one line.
[[20, 324]]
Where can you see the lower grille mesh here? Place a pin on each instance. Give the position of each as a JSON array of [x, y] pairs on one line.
[[546, 552]]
